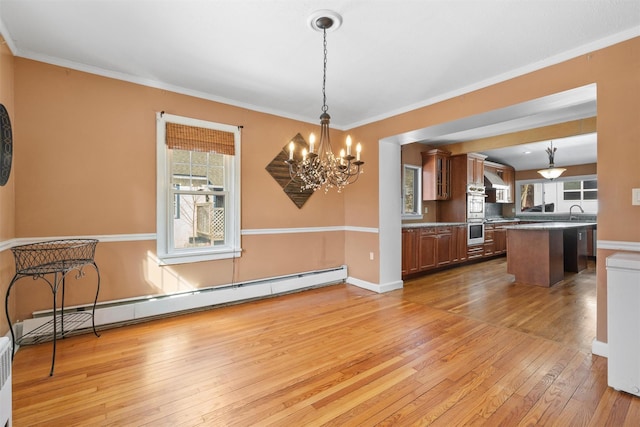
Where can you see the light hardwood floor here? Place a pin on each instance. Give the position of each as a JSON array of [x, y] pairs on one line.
[[460, 347]]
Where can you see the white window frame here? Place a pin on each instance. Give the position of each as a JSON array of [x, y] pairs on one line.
[[166, 253], [518, 195], [417, 202]]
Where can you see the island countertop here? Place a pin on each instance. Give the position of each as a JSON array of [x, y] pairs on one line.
[[551, 225]]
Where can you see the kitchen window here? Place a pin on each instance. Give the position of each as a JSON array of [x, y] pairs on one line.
[[411, 191], [198, 198], [557, 196], [580, 190]]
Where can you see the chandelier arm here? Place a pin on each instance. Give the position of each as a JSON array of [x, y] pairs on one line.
[[321, 167]]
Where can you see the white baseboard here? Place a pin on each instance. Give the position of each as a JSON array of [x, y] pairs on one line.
[[600, 348], [136, 309], [382, 288]]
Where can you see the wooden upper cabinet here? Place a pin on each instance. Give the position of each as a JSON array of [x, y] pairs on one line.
[[509, 177], [475, 169], [436, 175]]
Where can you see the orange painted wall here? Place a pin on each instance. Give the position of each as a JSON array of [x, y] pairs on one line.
[[7, 192], [86, 166], [616, 72]]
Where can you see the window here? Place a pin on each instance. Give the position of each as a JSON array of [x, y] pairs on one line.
[[411, 191], [581, 190], [198, 190], [558, 196]]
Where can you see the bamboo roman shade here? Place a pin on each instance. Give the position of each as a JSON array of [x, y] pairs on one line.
[[192, 138]]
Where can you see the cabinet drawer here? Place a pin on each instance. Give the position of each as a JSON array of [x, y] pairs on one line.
[[475, 251], [444, 230], [428, 230]]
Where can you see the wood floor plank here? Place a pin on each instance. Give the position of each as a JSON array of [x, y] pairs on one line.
[[465, 346]]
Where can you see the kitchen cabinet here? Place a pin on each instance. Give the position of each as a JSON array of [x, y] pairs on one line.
[[409, 251], [575, 249], [475, 251], [436, 175], [475, 169], [428, 249], [489, 243], [444, 246], [499, 240], [500, 237], [459, 243], [509, 178]]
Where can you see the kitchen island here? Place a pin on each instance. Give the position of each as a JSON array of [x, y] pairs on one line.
[[539, 254]]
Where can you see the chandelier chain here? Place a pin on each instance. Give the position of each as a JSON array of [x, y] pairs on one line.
[[324, 74]]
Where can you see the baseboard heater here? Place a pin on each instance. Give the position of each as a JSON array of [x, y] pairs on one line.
[[123, 311]]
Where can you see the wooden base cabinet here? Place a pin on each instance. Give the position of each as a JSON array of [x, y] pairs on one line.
[[575, 249], [489, 243], [459, 243], [428, 251], [409, 251], [445, 246]]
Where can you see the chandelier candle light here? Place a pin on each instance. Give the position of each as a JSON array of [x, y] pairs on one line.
[[321, 168], [551, 172]]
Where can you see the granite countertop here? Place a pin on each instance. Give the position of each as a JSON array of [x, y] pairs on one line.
[[498, 220], [559, 225], [432, 224]]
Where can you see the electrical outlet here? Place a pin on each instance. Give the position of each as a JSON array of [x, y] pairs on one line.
[[635, 196], [371, 256], [426, 209]]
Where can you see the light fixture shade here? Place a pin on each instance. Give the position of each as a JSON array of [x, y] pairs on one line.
[[551, 173]]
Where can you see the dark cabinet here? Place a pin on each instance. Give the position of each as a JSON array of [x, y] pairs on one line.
[[500, 240], [436, 175], [445, 247], [428, 251], [489, 242], [475, 169], [459, 243], [410, 250], [575, 249]]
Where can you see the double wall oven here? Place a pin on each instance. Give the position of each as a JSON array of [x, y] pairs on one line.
[[475, 214]]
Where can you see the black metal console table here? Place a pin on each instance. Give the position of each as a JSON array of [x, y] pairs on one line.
[[51, 261]]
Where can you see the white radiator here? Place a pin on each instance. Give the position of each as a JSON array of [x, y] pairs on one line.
[[5, 382], [623, 322]]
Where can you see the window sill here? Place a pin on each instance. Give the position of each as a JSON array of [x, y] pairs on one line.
[[191, 257]]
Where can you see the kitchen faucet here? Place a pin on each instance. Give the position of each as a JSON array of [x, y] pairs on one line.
[[571, 209]]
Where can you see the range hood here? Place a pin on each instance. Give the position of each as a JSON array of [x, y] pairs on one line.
[[493, 181]]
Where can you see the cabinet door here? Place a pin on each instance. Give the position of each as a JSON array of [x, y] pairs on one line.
[[461, 242], [500, 240], [444, 249], [509, 178], [475, 170], [409, 251], [436, 175], [428, 251], [489, 243]]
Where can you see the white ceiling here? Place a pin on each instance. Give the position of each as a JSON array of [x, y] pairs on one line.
[[386, 58]]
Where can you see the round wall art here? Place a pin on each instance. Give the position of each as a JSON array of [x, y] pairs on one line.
[[6, 145]]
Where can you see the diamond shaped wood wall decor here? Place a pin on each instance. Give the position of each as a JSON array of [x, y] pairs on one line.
[[279, 170]]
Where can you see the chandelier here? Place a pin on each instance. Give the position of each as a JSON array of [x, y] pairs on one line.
[[551, 172], [320, 167]]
